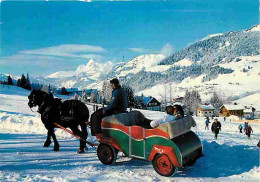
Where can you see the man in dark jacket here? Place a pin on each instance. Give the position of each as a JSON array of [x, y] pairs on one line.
[[119, 100], [215, 127], [118, 105]]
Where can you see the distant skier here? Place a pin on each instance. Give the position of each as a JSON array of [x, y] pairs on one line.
[[207, 123], [240, 127], [248, 131], [216, 127]]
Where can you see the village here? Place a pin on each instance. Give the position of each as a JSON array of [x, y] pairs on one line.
[[234, 112]]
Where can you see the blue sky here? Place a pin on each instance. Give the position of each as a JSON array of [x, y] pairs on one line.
[[44, 37]]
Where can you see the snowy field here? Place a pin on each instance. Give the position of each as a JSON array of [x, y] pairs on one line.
[[232, 157]]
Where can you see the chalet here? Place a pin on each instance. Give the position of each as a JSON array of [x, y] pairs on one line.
[[206, 110], [228, 110], [249, 112], [151, 103]]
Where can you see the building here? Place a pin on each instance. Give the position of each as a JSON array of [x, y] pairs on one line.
[[206, 110], [249, 112], [227, 110], [151, 103]]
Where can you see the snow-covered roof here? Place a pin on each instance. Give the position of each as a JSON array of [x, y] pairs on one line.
[[233, 107], [146, 100], [206, 107]]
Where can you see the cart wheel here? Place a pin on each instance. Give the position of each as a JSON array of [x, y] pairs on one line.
[[106, 154], [163, 166]]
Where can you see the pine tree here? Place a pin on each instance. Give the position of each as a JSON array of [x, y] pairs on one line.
[[129, 94], [23, 81], [9, 80], [28, 83], [19, 82], [63, 91]]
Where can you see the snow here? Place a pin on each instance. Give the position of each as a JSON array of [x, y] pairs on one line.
[[251, 100], [231, 158], [61, 74], [253, 29], [233, 107], [147, 62], [212, 35], [183, 62], [207, 107]]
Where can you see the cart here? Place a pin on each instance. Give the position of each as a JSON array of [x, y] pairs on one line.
[[169, 146]]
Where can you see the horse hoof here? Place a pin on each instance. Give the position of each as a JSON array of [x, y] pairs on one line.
[[47, 144], [55, 149], [80, 151]]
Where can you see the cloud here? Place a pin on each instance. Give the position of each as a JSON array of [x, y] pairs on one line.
[[66, 50], [167, 50], [139, 50]]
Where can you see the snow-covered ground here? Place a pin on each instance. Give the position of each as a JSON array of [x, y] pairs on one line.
[[232, 157]]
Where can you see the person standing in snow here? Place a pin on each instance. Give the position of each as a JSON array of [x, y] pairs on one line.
[[240, 127], [248, 131], [245, 126], [207, 123], [216, 127]]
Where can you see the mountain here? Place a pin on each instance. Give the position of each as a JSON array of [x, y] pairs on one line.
[[205, 59], [224, 61]]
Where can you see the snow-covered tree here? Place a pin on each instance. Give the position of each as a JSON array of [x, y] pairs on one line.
[[93, 97], [192, 100], [129, 94], [106, 92]]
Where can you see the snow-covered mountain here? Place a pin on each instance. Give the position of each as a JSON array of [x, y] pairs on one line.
[[227, 62]]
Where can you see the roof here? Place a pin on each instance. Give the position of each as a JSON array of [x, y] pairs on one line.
[[233, 107], [206, 107], [72, 89], [146, 100]]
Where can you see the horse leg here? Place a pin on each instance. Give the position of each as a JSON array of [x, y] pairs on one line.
[[82, 134], [56, 144], [48, 140]]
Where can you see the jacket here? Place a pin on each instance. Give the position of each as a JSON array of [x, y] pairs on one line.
[[119, 101], [215, 127]]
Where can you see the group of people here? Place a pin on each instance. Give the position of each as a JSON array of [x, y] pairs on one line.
[[216, 127], [247, 129]]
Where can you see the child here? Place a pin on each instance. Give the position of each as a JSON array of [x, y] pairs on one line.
[[240, 127], [207, 123]]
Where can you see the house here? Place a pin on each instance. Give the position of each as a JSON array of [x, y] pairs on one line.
[[206, 110], [151, 103], [227, 110], [249, 112]]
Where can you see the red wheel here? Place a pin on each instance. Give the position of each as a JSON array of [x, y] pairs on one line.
[[106, 154], [163, 166]]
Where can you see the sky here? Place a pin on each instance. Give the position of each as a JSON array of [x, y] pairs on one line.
[[43, 37]]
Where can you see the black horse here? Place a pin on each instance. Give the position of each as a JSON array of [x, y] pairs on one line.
[[69, 114]]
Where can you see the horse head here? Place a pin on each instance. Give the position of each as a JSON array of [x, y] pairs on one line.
[[36, 98]]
